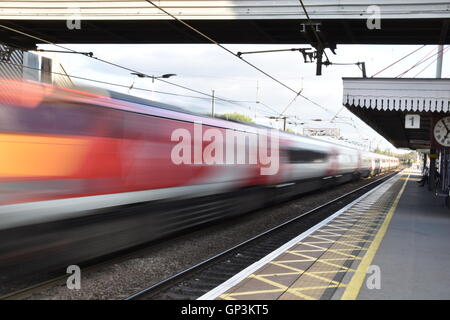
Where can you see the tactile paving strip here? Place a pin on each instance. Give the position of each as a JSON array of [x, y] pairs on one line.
[[315, 267]]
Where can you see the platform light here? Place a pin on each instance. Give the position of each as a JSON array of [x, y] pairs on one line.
[[164, 76]]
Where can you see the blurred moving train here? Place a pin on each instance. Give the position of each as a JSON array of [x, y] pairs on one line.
[[90, 172]]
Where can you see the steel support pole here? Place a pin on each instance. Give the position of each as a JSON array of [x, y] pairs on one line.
[[440, 61], [432, 172]]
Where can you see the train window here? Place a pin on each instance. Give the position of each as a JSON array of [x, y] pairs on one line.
[[66, 118], [142, 101], [306, 156]]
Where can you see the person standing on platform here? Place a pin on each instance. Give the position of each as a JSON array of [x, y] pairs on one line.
[[425, 174]]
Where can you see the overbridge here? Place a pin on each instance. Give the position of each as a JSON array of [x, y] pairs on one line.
[[243, 21]]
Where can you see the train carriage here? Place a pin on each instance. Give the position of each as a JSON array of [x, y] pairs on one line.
[[93, 165]]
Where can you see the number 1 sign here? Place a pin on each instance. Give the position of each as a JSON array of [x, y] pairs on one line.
[[412, 121]]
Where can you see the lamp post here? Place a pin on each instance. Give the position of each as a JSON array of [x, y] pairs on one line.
[[284, 118], [213, 102], [164, 76]]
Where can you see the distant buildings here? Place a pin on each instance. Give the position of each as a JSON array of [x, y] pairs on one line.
[[19, 64]]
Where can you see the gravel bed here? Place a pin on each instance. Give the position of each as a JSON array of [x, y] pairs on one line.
[[137, 270]]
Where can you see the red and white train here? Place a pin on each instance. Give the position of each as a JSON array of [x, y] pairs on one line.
[[85, 151], [70, 154]]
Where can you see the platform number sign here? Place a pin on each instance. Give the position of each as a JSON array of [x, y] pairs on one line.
[[412, 121]]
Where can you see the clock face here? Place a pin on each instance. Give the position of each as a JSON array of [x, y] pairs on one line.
[[442, 132]]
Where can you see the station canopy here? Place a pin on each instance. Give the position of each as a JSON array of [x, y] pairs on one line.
[[385, 103]]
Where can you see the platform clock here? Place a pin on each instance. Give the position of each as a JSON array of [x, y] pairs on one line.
[[442, 132]]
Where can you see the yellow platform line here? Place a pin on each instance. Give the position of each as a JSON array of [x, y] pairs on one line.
[[355, 284], [338, 241], [325, 248], [283, 287], [319, 287], [298, 273], [337, 251], [305, 273], [313, 260], [335, 265], [349, 230], [226, 297], [354, 237]]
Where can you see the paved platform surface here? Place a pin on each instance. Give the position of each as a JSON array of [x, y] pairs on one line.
[[395, 241], [414, 257]]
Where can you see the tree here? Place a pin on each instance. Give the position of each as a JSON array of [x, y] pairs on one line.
[[386, 152], [290, 131], [408, 158], [237, 117]]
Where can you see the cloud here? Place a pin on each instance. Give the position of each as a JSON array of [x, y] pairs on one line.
[[207, 67]]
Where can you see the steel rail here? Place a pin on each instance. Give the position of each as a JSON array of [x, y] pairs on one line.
[[155, 288]]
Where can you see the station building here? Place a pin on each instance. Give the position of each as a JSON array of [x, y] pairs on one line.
[[410, 113], [18, 64]]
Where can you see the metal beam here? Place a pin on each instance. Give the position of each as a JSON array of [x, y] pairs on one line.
[[220, 10], [444, 31], [403, 31]]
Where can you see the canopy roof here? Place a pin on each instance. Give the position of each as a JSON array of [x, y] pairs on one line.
[[383, 104]]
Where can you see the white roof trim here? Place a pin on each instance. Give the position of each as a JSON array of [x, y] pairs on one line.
[[224, 9], [420, 95]]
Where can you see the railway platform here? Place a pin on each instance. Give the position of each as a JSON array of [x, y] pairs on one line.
[[391, 243]]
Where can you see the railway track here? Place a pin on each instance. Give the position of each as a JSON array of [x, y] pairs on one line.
[[174, 284], [199, 279]]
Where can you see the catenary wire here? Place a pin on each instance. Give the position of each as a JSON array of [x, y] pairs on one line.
[[421, 61], [234, 54], [432, 62], [234, 102], [168, 82], [111, 63], [397, 61]]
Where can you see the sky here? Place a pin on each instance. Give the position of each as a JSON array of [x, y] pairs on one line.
[[206, 67]]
